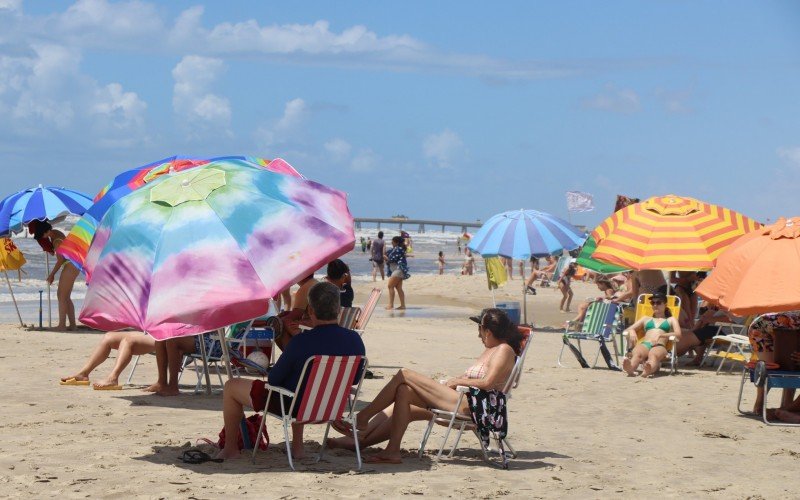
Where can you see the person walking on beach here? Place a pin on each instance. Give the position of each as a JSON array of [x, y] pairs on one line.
[[378, 255], [469, 263], [441, 263], [363, 245], [565, 285], [50, 239], [399, 272]]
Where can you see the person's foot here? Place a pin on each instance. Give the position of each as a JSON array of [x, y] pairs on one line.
[[169, 391], [154, 388], [342, 428], [384, 457], [344, 443], [228, 454], [389, 308], [627, 367], [361, 422], [79, 377], [298, 451], [401, 307], [531, 290], [107, 382], [787, 416], [648, 370]]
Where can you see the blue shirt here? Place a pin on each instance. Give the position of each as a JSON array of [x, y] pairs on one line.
[[330, 340]]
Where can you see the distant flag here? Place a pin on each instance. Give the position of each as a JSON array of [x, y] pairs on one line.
[[578, 201], [624, 201]]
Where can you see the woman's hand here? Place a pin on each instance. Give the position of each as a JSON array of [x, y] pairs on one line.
[[452, 383], [50, 278]]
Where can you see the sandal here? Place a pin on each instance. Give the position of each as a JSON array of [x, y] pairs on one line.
[[196, 456]]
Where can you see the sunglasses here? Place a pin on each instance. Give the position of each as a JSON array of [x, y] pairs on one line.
[[656, 302]]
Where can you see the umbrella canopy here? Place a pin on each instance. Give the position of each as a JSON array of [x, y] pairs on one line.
[[759, 273], [585, 260], [207, 247], [77, 243], [669, 232], [39, 203], [519, 234]]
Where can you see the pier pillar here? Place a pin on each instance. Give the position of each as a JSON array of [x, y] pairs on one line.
[[422, 228]]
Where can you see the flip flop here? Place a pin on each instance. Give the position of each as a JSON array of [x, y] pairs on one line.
[[107, 387], [375, 459], [195, 456], [73, 381]]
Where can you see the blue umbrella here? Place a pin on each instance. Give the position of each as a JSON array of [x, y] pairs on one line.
[[39, 203], [519, 234]]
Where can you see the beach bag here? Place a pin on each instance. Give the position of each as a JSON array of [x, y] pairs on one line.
[[489, 413], [249, 432]]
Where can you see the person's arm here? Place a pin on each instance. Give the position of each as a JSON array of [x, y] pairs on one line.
[[280, 371], [676, 330], [60, 261], [494, 372]]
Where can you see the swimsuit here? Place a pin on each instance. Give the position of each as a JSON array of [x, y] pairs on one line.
[[664, 326]]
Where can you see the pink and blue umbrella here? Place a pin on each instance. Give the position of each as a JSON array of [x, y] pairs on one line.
[[197, 250], [520, 234], [39, 203]]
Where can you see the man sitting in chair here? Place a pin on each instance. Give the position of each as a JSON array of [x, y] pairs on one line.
[[325, 338]]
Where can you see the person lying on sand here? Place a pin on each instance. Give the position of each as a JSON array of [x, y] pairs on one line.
[[127, 344], [326, 338], [652, 348], [408, 394]]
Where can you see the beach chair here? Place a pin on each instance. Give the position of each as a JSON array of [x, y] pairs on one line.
[[601, 322], [348, 317], [453, 418], [738, 344], [366, 312], [328, 395], [643, 308], [562, 263]]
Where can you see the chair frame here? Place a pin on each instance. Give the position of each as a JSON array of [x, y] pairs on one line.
[[366, 312], [736, 338], [464, 421], [286, 415], [606, 333], [775, 379]]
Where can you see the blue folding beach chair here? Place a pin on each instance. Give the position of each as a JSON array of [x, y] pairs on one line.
[[601, 322]]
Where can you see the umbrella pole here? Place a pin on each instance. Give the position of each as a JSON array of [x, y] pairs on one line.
[[524, 305], [49, 306], [494, 302], [225, 354], [8, 282], [203, 355]]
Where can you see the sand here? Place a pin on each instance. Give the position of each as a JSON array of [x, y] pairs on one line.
[[579, 433]]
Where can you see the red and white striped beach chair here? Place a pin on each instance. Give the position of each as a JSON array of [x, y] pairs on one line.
[[348, 317], [330, 393], [367, 310]]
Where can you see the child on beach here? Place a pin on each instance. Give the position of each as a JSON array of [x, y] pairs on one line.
[[565, 285], [441, 263], [396, 257]]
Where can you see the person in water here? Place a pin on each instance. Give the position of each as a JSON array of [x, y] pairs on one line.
[[651, 349]]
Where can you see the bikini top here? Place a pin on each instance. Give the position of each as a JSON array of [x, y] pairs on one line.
[[665, 326]]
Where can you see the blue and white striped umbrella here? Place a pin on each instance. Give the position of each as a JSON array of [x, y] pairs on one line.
[[521, 233], [39, 203]]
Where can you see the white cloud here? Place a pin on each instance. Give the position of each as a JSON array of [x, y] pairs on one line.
[[364, 161], [790, 154], [11, 5], [338, 149], [675, 101], [616, 100], [47, 91], [443, 149], [288, 128], [198, 109]]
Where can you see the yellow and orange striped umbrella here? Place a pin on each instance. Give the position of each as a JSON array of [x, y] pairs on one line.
[[669, 232]]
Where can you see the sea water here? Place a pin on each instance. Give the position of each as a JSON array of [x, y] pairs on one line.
[[423, 259]]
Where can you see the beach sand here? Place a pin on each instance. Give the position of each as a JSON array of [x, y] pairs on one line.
[[579, 433]]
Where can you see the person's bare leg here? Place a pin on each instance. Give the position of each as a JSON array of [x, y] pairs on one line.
[[110, 340], [563, 290], [66, 308], [298, 450], [401, 294], [787, 416], [758, 406], [570, 294], [378, 430], [654, 358], [582, 308], [390, 285], [431, 392], [132, 345], [161, 364], [638, 355], [235, 396], [688, 341], [176, 348]]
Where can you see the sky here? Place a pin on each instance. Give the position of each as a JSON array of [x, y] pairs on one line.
[[451, 110]]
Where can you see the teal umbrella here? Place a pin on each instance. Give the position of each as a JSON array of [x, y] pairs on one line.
[[585, 260]]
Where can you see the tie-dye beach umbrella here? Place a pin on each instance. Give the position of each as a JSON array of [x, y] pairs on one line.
[[197, 250], [669, 232], [519, 234], [39, 203], [77, 243]]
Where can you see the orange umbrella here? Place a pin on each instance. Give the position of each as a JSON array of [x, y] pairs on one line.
[[669, 232], [759, 273]]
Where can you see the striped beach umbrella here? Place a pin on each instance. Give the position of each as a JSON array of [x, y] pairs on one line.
[[520, 234], [586, 260], [669, 233], [39, 203], [76, 245]]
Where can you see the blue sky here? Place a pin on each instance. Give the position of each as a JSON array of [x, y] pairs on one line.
[[447, 109]]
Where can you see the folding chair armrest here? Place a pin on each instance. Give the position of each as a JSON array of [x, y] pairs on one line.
[[462, 389], [279, 390]]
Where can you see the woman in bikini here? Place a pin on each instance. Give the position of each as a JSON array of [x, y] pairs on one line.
[[652, 348], [50, 239], [408, 395]]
